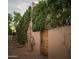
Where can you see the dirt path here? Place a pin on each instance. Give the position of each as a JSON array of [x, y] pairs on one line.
[[22, 53]]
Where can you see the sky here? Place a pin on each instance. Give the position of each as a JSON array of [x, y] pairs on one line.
[[19, 5]]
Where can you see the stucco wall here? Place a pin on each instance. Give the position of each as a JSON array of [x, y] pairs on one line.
[[59, 42], [36, 36]]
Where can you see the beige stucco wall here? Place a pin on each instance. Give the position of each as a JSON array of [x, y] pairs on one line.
[[59, 42], [36, 36]]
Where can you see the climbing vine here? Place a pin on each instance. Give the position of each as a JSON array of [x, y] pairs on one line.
[[23, 27], [38, 16], [51, 13]]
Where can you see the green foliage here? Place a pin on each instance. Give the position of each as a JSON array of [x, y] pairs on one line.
[[17, 18], [23, 27], [47, 12], [51, 12], [9, 31], [9, 24], [9, 18], [39, 14]]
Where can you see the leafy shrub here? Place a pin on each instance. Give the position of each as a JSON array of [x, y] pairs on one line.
[[23, 27]]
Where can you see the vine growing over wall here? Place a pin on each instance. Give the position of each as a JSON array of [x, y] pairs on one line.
[[51, 13], [39, 14]]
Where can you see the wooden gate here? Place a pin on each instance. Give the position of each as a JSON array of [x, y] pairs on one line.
[[44, 42]]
